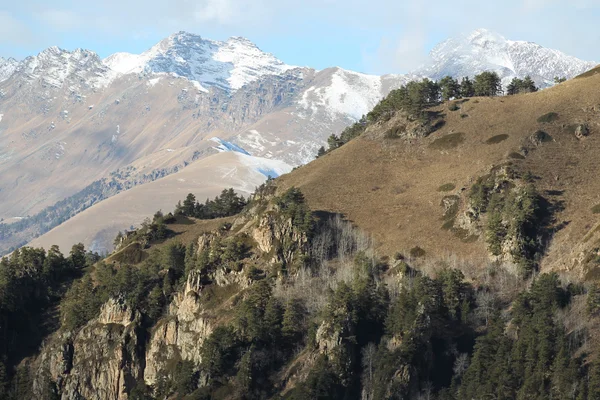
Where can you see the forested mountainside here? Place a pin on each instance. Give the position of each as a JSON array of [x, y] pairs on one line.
[[428, 262], [281, 302]]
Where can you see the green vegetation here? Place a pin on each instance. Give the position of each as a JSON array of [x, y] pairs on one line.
[[226, 204], [448, 141], [416, 336], [596, 209], [487, 84], [497, 139], [450, 89], [558, 80], [517, 86], [293, 206], [32, 282], [414, 99], [541, 137], [447, 187], [515, 216], [417, 252], [548, 118]]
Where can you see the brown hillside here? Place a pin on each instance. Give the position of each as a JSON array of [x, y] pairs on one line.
[[392, 188]]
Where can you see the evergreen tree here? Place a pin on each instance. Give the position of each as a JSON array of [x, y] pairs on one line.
[[466, 88], [333, 142], [155, 301], [487, 84], [77, 256], [189, 205], [293, 322], [528, 85], [321, 152], [558, 80], [450, 88]]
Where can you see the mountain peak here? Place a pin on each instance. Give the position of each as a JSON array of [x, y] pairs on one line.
[[228, 65], [484, 50], [483, 36]]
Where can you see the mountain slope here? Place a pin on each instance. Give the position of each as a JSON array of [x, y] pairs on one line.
[[402, 190], [69, 119]]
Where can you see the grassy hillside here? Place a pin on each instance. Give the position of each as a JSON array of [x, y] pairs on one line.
[[394, 188]]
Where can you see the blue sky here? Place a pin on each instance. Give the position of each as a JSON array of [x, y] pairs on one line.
[[375, 36]]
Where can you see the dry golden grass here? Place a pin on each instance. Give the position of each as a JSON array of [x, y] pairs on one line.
[[391, 188]]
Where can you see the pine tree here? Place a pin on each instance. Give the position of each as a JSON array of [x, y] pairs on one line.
[[189, 205], [487, 84], [528, 85], [333, 142], [77, 256], [292, 325], [514, 86], [321, 152], [466, 88], [450, 88], [155, 301], [594, 381]]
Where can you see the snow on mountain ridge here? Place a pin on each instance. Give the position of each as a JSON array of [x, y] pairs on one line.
[[7, 68], [484, 50], [54, 66], [229, 65], [348, 93]]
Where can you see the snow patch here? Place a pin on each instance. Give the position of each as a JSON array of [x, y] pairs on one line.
[[349, 93], [228, 146], [153, 81], [267, 167], [255, 141], [1, 115]]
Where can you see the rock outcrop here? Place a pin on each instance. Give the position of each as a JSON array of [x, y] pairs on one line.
[[102, 361], [180, 334]]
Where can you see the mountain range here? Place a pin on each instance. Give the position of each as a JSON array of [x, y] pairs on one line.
[[76, 129]]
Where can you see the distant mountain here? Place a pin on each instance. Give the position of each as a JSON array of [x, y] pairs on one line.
[[484, 50], [69, 119], [228, 65]]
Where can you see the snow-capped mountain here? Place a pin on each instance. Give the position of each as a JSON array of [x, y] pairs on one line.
[[54, 67], [69, 118], [7, 68], [229, 65], [484, 50]]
